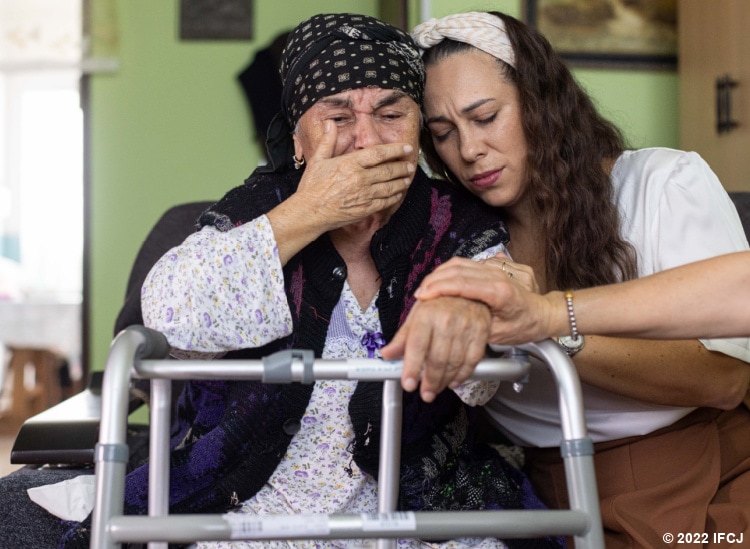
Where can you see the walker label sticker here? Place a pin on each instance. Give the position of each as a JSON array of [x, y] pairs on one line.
[[368, 368], [388, 521], [276, 526]]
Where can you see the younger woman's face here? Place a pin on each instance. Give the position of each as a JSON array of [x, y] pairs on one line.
[[474, 117]]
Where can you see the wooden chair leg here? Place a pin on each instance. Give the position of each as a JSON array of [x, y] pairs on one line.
[[35, 375]]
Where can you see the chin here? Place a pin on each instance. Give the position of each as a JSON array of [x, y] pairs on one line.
[[496, 198]]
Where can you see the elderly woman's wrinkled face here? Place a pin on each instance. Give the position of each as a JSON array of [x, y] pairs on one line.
[[363, 117], [474, 116]]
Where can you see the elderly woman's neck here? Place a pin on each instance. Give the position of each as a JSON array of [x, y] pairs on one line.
[[353, 244], [352, 240]]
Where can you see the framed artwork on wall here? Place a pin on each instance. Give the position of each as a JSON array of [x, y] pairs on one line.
[[216, 19], [639, 34]]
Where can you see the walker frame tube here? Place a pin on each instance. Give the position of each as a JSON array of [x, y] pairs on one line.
[[140, 352], [576, 448], [390, 453]]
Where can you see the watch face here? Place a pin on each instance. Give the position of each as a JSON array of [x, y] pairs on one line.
[[571, 346]]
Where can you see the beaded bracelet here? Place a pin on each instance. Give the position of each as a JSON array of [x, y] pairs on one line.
[[571, 315]]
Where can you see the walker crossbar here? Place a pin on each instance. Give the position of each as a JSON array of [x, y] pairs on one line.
[[140, 352], [425, 525]]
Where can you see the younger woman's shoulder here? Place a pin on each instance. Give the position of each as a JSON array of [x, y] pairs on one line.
[[657, 159], [651, 175]]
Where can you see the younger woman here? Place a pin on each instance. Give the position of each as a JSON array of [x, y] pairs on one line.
[[507, 120]]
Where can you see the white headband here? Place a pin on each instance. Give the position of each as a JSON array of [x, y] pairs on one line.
[[481, 30]]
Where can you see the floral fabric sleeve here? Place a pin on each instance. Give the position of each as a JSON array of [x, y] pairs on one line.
[[477, 393], [219, 291]]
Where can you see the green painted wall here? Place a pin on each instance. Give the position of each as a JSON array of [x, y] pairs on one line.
[[171, 125]]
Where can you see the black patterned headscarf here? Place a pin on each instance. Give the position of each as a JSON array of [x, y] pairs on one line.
[[332, 53]]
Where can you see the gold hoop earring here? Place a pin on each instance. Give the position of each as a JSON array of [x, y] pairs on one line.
[[298, 162]]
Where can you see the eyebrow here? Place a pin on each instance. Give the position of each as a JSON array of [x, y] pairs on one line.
[[390, 99], [465, 110]]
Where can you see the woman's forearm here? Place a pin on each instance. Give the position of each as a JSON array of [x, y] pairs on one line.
[[705, 299]]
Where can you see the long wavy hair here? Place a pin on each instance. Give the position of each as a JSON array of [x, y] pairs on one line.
[[569, 146]]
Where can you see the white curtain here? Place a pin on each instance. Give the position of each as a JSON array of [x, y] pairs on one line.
[[44, 49], [58, 34], [40, 33]]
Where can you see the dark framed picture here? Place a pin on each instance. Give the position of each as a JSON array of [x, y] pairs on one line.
[[609, 33], [216, 19]]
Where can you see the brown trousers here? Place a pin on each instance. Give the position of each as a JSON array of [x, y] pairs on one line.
[[690, 480]]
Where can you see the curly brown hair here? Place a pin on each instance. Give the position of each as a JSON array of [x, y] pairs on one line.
[[569, 145]]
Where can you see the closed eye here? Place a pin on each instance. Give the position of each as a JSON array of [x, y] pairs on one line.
[[340, 118], [440, 136], [487, 119]]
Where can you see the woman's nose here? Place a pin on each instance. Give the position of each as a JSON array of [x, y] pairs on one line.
[[471, 147], [365, 132]]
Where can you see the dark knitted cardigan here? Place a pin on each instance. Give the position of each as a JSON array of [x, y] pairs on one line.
[[230, 436]]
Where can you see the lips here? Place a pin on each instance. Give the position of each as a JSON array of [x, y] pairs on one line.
[[485, 179]]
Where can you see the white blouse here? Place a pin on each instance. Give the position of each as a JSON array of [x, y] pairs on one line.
[[674, 211]]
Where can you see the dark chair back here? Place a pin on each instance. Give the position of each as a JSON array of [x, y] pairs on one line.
[[741, 201]]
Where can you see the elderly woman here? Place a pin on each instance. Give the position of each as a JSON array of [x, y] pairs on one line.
[[508, 121], [323, 249]]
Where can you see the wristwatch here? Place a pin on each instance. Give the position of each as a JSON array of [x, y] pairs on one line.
[[570, 345]]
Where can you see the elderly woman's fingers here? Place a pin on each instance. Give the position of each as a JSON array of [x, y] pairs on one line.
[[348, 188], [400, 172], [417, 338], [326, 146], [457, 346], [371, 157], [440, 343], [381, 154]]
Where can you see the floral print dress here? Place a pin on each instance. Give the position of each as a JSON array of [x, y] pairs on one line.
[[317, 475]]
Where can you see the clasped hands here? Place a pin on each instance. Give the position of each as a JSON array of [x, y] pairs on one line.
[[462, 306]]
